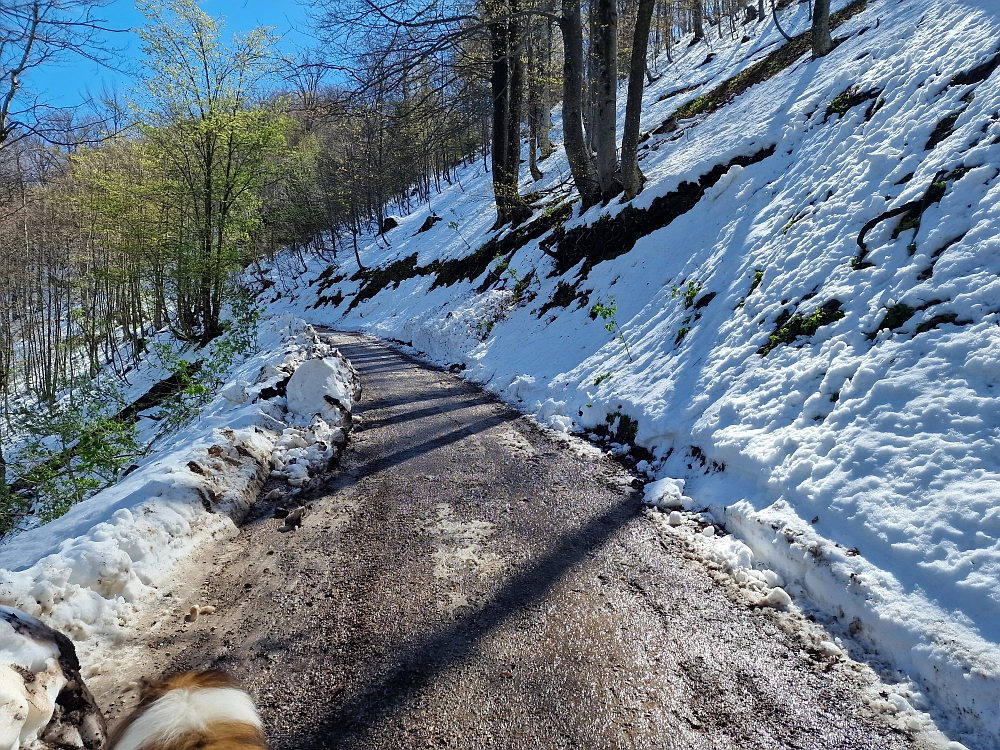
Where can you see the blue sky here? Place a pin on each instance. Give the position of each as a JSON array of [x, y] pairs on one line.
[[67, 82]]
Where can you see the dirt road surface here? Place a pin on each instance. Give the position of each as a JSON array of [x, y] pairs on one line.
[[468, 580]]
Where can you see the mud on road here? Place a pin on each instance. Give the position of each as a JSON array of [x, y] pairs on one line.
[[469, 580]]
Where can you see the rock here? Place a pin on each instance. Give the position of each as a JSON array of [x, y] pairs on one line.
[[273, 496], [389, 222], [281, 512], [295, 517], [429, 222], [41, 675]]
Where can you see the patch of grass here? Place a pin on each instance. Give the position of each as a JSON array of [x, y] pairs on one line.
[[848, 99], [681, 333], [788, 327], [601, 378], [564, 295], [374, 280]]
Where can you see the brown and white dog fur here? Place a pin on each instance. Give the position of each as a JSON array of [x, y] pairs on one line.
[[191, 711]]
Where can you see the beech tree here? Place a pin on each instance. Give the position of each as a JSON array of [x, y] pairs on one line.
[[632, 177], [215, 142]]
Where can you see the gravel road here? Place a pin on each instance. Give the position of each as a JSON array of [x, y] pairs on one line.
[[468, 580]]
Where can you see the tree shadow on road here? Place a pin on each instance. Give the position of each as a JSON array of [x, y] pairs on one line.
[[417, 663]]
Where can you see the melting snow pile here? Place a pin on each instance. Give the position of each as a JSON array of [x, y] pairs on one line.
[[89, 572], [320, 396], [813, 345], [43, 701]]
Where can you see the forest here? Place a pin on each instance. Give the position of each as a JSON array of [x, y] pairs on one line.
[[148, 210]]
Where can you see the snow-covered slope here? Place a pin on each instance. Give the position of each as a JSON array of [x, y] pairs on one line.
[[858, 450]]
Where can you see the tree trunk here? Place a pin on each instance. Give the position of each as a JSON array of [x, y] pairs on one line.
[[698, 19], [500, 87], [605, 130], [581, 163], [632, 176], [545, 87], [590, 106], [821, 41], [517, 210], [534, 106]]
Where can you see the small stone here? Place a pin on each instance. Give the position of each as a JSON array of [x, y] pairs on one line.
[[272, 496]]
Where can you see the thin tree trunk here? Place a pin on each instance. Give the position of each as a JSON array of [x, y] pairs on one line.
[[534, 106], [517, 209], [632, 176], [545, 87], [581, 163]]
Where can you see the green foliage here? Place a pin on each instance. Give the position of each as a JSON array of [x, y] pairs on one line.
[[71, 448], [623, 428], [601, 378], [681, 333], [848, 99], [209, 148], [607, 312], [789, 327], [199, 383]]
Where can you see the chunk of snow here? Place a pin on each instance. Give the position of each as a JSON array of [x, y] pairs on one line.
[[665, 493], [777, 597], [236, 392], [321, 386]]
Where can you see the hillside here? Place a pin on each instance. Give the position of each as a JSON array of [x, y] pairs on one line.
[[808, 305]]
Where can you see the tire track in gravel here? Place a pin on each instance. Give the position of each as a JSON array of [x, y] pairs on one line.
[[469, 580]]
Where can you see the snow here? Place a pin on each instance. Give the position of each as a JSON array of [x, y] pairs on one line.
[[91, 572], [30, 681], [861, 463]]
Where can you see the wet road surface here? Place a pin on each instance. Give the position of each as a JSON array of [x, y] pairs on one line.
[[467, 580]]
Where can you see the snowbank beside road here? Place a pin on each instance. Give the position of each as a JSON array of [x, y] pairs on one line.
[[89, 573]]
